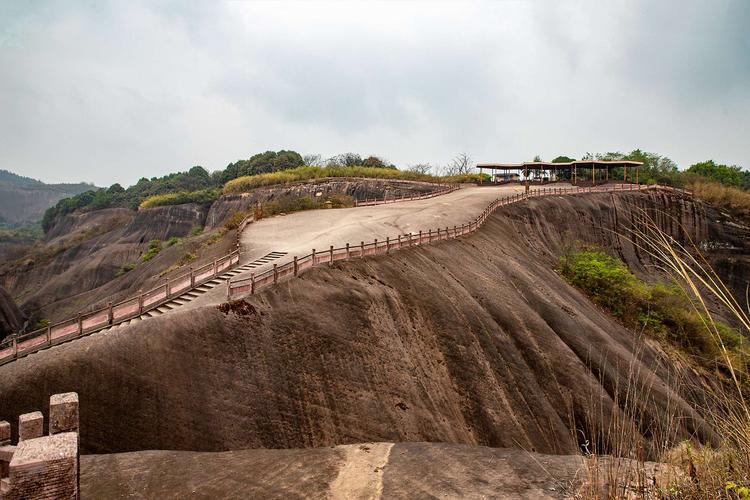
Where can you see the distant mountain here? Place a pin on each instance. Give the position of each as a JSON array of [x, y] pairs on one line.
[[24, 200]]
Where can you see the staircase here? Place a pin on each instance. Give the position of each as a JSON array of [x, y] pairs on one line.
[[193, 294]]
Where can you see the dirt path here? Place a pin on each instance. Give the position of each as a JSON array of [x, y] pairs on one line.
[[361, 475]]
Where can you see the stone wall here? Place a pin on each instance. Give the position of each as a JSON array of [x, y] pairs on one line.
[[45, 467]]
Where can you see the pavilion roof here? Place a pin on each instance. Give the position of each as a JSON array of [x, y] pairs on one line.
[[550, 165]]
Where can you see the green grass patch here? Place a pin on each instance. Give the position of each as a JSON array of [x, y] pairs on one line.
[[154, 247], [125, 268], [661, 310], [202, 196]]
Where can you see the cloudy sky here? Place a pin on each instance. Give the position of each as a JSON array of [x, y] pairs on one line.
[[110, 92]]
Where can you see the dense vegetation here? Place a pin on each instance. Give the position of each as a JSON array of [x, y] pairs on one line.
[[660, 310], [272, 168]]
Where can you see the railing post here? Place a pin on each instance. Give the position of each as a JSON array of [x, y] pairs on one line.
[[192, 278], [399, 241], [252, 283], [411, 237], [438, 235], [275, 274], [361, 248], [387, 244], [166, 285], [15, 348], [296, 268], [446, 232], [140, 304], [313, 257], [80, 323], [330, 257], [110, 313], [375, 246], [49, 334], [347, 251], [454, 231], [420, 237], [229, 289]]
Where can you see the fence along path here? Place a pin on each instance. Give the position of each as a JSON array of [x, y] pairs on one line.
[[137, 307], [120, 312], [299, 264]]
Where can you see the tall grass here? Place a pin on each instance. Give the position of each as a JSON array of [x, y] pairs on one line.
[[734, 200], [694, 470], [202, 196], [246, 183]]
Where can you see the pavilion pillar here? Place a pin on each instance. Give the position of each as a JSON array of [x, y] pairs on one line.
[[526, 177], [636, 174], [480, 176], [625, 173], [593, 174], [575, 174], [606, 173]]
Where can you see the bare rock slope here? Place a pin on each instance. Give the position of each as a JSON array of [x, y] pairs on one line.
[[475, 341]]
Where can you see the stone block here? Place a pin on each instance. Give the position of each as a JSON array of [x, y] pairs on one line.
[[45, 467], [30, 425], [4, 432], [63, 413]]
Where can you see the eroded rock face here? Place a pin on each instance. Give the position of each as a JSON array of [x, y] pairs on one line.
[[86, 251], [359, 189], [11, 318], [475, 341]]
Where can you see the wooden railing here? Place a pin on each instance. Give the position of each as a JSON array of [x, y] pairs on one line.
[[441, 189], [118, 312], [115, 313], [378, 247]]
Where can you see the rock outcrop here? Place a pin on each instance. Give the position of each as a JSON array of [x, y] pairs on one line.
[[359, 189], [475, 341], [11, 318]]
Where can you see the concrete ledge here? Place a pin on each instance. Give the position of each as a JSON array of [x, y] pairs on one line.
[[30, 425], [63, 413], [45, 467]]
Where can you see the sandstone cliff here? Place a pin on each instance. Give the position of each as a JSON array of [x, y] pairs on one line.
[[474, 341]]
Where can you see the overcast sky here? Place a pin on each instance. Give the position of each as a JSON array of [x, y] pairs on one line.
[[110, 92]]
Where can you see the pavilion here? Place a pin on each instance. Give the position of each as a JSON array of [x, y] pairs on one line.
[[575, 172]]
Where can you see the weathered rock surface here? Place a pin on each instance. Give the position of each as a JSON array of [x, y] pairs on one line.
[[85, 252], [359, 189], [474, 341], [11, 318], [366, 470]]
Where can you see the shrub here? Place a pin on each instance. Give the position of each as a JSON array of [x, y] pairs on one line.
[[154, 247], [234, 220], [125, 268], [662, 310], [203, 197], [173, 241], [196, 231], [243, 184], [734, 200]]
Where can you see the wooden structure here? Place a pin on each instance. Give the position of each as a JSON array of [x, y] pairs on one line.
[[588, 171]]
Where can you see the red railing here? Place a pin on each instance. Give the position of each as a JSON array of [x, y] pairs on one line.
[[116, 313], [299, 264], [441, 189]]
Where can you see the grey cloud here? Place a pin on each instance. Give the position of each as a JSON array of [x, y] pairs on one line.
[[110, 92]]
